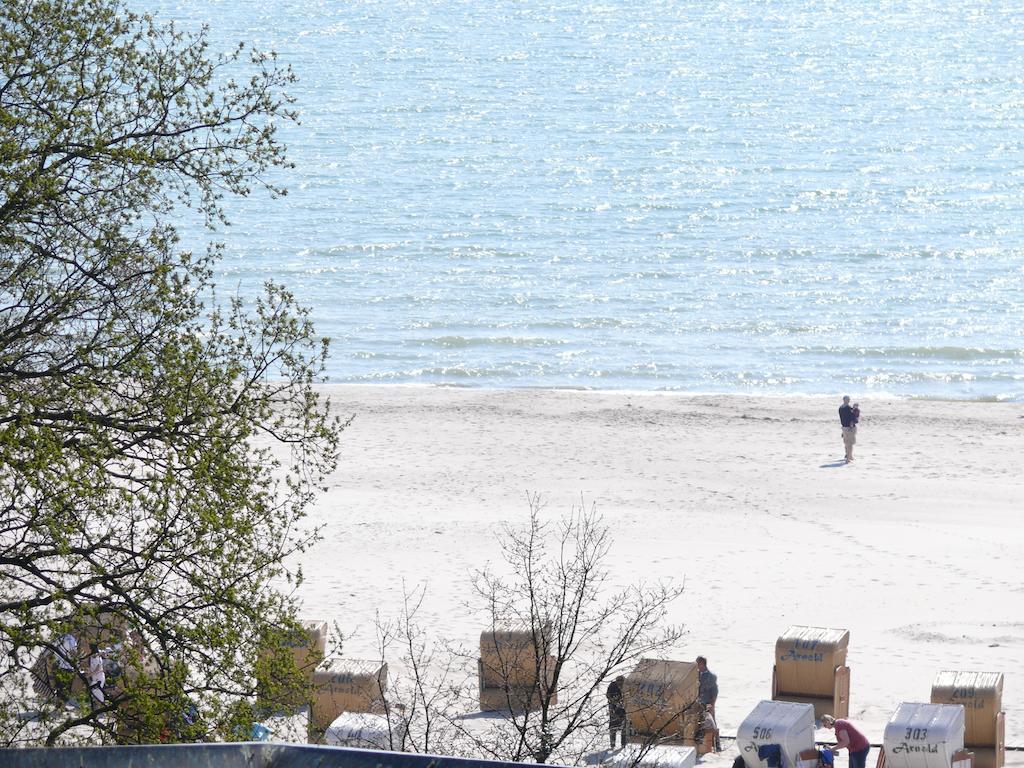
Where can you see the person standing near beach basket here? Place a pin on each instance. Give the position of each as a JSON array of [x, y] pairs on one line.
[[616, 710], [707, 694], [848, 419], [849, 738]]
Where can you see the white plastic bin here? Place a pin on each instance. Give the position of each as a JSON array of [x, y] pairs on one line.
[[364, 730], [288, 727], [924, 735], [652, 757], [786, 723]]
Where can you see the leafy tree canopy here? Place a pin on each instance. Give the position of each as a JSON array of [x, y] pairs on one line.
[[157, 449]]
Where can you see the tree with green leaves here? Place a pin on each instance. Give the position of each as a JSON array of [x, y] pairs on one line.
[[158, 447]]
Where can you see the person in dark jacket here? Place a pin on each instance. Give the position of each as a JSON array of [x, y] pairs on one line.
[[707, 685], [848, 422], [616, 710], [707, 692]]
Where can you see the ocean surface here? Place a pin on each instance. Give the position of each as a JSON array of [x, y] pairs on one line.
[[772, 197]]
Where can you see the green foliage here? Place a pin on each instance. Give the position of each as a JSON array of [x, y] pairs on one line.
[[157, 450]]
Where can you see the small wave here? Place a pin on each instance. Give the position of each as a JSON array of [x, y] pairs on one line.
[[953, 353], [441, 374], [462, 342]]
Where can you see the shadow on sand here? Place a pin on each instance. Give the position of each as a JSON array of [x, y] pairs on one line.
[[494, 714], [596, 758]]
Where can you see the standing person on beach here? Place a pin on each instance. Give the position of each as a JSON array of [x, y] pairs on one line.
[[96, 672], [848, 420], [616, 710], [66, 655], [849, 738], [707, 685], [707, 693]]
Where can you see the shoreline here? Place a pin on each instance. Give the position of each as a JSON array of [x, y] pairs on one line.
[[329, 385], [914, 547]]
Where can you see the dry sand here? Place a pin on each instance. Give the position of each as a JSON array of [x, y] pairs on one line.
[[915, 547]]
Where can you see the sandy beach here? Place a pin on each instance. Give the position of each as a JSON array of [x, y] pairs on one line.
[[915, 547]]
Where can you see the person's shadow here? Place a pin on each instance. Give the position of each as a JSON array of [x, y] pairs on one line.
[[834, 464]]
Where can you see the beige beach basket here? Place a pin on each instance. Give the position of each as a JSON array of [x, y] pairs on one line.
[[661, 701], [981, 695], [307, 647], [510, 657], [810, 666], [514, 670], [347, 685]]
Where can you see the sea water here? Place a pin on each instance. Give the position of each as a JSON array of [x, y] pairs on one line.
[[788, 196]]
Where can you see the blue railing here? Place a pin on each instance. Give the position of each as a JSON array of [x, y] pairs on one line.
[[241, 755]]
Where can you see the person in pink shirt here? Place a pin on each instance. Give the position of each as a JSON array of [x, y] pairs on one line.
[[848, 738]]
